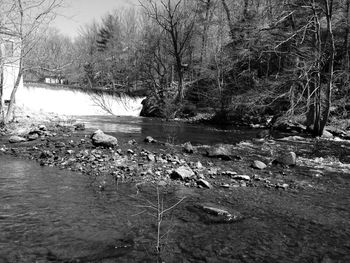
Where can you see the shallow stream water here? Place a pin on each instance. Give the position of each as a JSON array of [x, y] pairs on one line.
[[171, 131], [52, 215]]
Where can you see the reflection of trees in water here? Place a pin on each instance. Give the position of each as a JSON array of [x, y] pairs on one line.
[[172, 131]]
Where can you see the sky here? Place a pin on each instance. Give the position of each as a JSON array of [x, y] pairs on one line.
[[77, 13]]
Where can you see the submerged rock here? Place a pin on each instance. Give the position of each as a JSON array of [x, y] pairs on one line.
[[99, 138], [17, 139], [216, 214]]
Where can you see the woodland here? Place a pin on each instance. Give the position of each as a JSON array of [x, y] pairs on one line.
[[234, 59]]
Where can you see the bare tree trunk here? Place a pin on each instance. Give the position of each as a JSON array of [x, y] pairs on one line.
[[205, 33], [2, 116], [230, 22], [316, 78], [11, 107], [329, 7], [347, 42]]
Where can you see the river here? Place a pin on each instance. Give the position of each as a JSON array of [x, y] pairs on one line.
[[171, 131], [53, 215]]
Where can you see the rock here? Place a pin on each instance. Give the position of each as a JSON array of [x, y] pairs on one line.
[[46, 154], [229, 173], [182, 173], [293, 138], [335, 131], [198, 165], [347, 135], [42, 127], [132, 142], [243, 184], [129, 151], [327, 134], [223, 151], [79, 126], [159, 159], [288, 158], [70, 151], [213, 171], [32, 136], [242, 177], [149, 139], [17, 139], [204, 183], [259, 165], [98, 138], [221, 214], [188, 148], [60, 145], [151, 157]]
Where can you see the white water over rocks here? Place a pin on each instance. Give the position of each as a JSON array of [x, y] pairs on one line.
[[64, 101]]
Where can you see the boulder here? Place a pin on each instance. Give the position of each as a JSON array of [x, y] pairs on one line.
[[17, 139], [259, 165], [182, 173], [99, 138], [326, 134], [288, 158], [188, 148]]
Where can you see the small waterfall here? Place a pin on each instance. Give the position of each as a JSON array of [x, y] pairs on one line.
[[64, 101]]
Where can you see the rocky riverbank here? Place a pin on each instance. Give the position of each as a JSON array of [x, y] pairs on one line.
[[289, 164]]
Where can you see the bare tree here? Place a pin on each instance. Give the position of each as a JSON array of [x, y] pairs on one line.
[[23, 19], [177, 19]]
